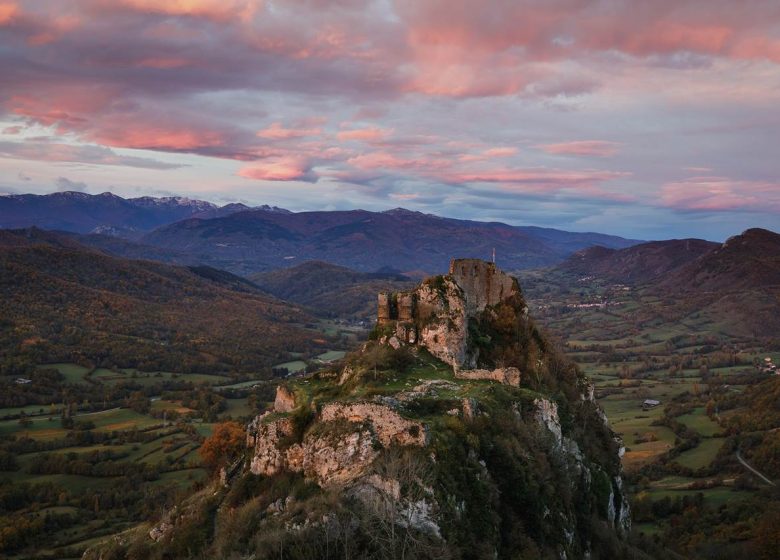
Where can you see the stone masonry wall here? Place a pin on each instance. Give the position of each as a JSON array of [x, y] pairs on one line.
[[507, 376], [483, 284]]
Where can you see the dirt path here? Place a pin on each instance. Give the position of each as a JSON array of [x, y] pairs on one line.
[[751, 469]]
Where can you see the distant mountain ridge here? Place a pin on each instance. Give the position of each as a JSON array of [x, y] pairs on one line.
[[259, 240], [746, 261], [248, 240], [735, 284], [637, 264], [105, 213]]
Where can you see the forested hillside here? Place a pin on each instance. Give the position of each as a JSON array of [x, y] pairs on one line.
[[64, 302]]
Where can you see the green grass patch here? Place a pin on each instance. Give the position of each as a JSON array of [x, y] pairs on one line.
[[700, 422], [293, 367], [701, 455]]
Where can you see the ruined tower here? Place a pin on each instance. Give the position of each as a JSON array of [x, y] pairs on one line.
[[436, 313], [383, 316], [482, 282]]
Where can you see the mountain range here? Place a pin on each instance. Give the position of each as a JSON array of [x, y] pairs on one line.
[[105, 213], [248, 240]]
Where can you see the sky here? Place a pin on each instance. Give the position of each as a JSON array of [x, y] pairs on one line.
[[650, 119]]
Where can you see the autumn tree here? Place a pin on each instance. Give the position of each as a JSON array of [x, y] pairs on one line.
[[225, 444]]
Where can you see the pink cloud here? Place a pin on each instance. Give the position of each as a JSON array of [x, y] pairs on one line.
[[371, 134], [276, 131], [93, 155], [721, 194], [500, 152], [281, 169], [218, 10], [597, 148], [543, 178], [8, 11], [163, 63]]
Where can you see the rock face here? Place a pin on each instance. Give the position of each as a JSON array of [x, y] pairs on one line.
[[436, 314], [389, 426], [285, 400], [341, 449]]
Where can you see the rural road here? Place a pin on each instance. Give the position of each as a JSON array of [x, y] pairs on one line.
[[751, 469]]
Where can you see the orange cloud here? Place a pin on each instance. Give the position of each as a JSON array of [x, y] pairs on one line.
[[370, 134], [281, 169], [218, 10], [8, 11], [149, 136], [597, 148], [276, 131]]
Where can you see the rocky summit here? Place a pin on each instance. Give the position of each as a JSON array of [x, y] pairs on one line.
[[456, 431]]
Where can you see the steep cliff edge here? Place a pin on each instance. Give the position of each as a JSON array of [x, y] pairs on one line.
[[457, 432]]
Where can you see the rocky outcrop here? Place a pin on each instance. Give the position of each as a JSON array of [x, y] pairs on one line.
[[267, 439], [507, 376], [616, 502], [389, 426], [285, 400], [442, 326], [340, 447], [340, 458]]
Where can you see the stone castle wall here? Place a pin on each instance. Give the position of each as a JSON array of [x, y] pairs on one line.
[[507, 376], [483, 284]]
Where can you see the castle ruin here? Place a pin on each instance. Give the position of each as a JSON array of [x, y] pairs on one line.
[[483, 284], [436, 314]]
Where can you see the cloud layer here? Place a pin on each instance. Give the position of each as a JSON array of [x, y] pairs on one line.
[[580, 107]]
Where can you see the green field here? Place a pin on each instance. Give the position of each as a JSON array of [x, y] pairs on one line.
[[699, 421], [331, 355], [295, 366], [237, 408], [701, 455], [71, 372]]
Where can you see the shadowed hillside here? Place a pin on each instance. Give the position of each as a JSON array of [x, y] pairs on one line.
[[329, 289], [638, 264], [64, 302]]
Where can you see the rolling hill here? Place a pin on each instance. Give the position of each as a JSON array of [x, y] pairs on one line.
[[62, 301], [331, 290], [735, 286], [638, 264], [746, 261]]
